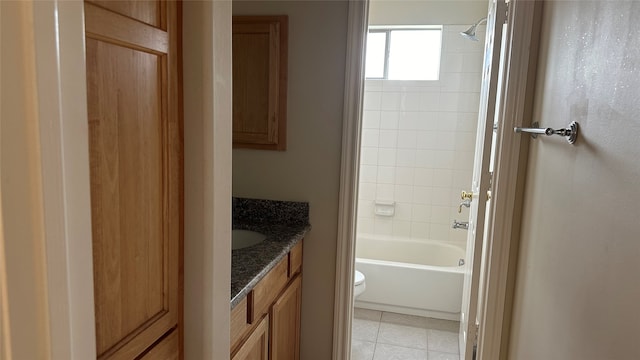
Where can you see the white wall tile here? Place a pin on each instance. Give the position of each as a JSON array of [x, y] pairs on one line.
[[426, 139], [403, 211], [386, 174], [406, 157], [372, 100], [462, 179], [383, 226], [444, 159], [401, 228], [463, 160], [448, 121], [368, 174], [472, 61], [445, 140], [449, 101], [408, 120], [384, 192], [403, 193], [370, 119], [467, 122], [420, 230], [425, 158], [404, 175], [468, 102], [365, 209], [421, 213], [389, 120], [387, 157], [370, 137], [464, 142], [369, 155], [451, 62], [442, 178], [441, 196], [365, 225], [367, 191], [390, 101], [423, 177], [388, 138], [422, 195], [429, 101], [412, 101], [418, 143], [440, 214], [407, 139], [427, 121]]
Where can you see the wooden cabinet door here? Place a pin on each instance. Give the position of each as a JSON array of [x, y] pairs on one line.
[[285, 323], [260, 54], [256, 347], [135, 145], [167, 349]]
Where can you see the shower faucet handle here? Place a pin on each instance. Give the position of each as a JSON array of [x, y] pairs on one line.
[[466, 195]]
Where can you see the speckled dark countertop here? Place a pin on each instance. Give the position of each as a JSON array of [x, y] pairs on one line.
[[284, 222]]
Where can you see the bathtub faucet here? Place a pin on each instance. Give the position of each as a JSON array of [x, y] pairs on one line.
[[460, 225], [465, 203]]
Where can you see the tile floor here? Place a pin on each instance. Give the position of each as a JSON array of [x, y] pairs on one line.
[[378, 335]]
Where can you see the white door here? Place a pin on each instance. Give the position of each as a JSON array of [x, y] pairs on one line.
[[481, 181]]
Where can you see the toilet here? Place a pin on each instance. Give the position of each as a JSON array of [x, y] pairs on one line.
[[359, 284]]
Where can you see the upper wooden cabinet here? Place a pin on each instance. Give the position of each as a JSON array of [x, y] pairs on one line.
[[135, 154], [260, 82]]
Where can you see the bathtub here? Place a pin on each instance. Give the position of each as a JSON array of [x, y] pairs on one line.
[[410, 276]]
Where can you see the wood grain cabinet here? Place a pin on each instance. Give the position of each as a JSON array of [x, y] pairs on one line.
[[277, 297], [260, 82], [135, 154]]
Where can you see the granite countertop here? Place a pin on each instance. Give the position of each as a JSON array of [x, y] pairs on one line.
[[284, 222]]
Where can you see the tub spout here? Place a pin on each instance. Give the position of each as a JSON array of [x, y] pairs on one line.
[[460, 225]]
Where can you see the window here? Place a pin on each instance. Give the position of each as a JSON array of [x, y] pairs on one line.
[[411, 53]]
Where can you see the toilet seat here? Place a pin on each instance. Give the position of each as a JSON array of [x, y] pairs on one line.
[[359, 278]]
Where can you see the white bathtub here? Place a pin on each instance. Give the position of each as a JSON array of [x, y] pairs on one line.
[[410, 276]]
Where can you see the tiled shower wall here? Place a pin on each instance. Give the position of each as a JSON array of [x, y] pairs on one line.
[[418, 144]]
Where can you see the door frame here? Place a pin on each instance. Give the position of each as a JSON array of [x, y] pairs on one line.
[[510, 165], [59, 249]]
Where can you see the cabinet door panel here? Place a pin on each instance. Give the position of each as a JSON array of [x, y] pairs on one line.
[[256, 347], [285, 323], [135, 172]]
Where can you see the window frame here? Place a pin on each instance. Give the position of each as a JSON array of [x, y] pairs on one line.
[[387, 29]]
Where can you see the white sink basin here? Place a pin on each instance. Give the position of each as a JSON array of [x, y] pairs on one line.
[[241, 239]]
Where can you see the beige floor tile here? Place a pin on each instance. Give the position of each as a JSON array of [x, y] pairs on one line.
[[443, 341], [435, 355], [365, 330], [362, 350], [402, 319], [392, 352], [402, 335]]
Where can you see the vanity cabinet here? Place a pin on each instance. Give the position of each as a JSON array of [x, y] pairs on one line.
[[276, 301], [256, 347], [260, 82]]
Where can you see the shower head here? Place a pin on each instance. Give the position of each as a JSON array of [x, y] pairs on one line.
[[470, 33]]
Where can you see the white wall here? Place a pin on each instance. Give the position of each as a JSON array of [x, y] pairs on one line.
[[418, 142], [403, 12], [310, 168], [207, 178], [577, 287]]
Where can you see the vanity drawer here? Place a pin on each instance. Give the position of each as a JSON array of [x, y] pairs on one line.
[[266, 291]]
